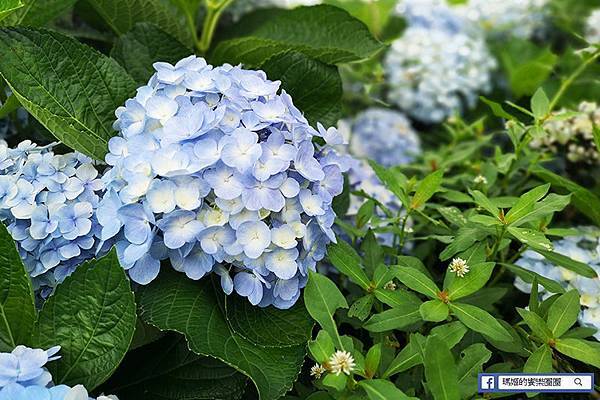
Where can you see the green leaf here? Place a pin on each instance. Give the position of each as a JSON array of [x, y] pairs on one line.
[[168, 370], [536, 323], [9, 6], [582, 350], [70, 88], [408, 357], [434, 311], [17, 306], [361, 308], [540, 361], [426, 189], [528, 276], [475, 279], [122, 15], [381, 389], [348, 262], [480, 321], [373, 359], [469, 365], [91, 315], [466, 237], [526, 203], [482, 201], [144, 45], [326, 33], [568, 263], [540, 105], [337, 382], [563, 313], [450, 333], [530, 237], [37, 12], [315, 86], [373, 257], [397, 298], [195, 309], [322, 347], [322, 299], [440, 370], [388, 179], [396, 318], [416, 281], [551, 204], [497, 108], [584, 200]]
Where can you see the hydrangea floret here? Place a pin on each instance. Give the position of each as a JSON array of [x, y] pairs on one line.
[[584, 248], [48, 202], [23, 376], [216, 171], [437, 68]]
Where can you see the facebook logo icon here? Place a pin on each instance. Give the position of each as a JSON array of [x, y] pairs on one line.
[[487, 383]]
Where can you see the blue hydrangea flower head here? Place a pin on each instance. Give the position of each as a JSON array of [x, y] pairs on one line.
[[517, 18], [23, 376], [385, 136], [584, 248], [238, 9], [215, 170], [431, 14], [48, 202], [433, 71]]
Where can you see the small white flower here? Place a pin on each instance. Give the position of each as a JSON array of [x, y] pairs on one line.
[[341, 361], [317, 371], [390, 286], [459, 267], [480, 180]]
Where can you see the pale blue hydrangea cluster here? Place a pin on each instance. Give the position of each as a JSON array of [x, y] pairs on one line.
[[517, 18], [48, 202], [23, 376], [592, 27], [439, 66], [385, 136], [585, 249], [217, 172]]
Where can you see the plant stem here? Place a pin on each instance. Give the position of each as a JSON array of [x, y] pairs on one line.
[[569, 81], [211, 20]]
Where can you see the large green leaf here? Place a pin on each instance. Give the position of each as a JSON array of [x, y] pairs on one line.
[[72, 89], [416, 280], [480, 321], [17, 309], [563, 313], [9, 6], [326, 33], [144, 45], [122, 15], [197, 309], [168, 370], [37, 12], [582, 350], [440, 370], [396, 318], [474, 280], [570, 264], [322, 299], [91, 315], [469, 365], [381, 389], [348, 262], [540, 361], [315, 86], [426, 189]]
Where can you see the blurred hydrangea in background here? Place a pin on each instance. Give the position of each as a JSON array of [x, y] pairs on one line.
[[519, 18], [439, 66], [213, 168], [239, 8], [572, 136], [585, 249], [48, 202], [23, 376], [592, 30]]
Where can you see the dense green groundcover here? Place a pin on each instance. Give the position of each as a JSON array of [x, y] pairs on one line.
[[420, 293]]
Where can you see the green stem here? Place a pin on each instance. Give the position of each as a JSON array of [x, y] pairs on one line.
[[569, 81], [211, 20], [498, 241]]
